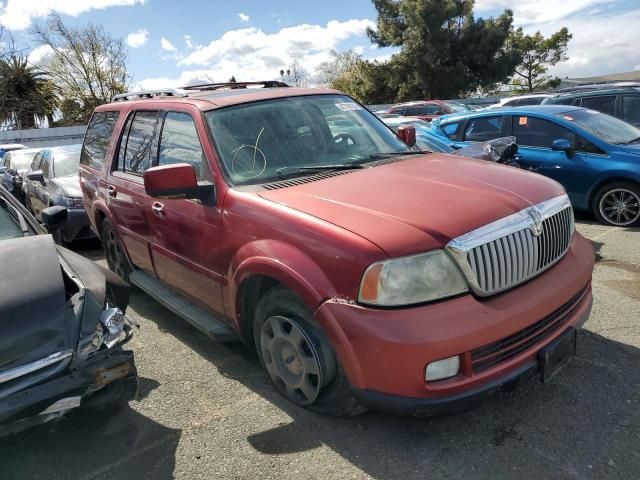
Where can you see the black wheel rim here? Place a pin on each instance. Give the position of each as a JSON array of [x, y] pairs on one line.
[[113, 253], [620, 207], [291, 360]]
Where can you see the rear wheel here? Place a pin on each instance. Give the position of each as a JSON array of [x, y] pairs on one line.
[[113, 252], [618, 204], [297, 356]]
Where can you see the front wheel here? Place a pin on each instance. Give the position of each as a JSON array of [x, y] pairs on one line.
[[618, 204], [297, 356]]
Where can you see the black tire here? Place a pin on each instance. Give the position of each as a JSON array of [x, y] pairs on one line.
[[332, 395], [113, 251], [618, 204]]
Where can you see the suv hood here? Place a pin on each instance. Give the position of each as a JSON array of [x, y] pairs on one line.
[[70, 185], [417, 204]]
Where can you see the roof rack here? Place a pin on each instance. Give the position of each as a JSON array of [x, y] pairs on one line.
[[232, 85], [123, 97]]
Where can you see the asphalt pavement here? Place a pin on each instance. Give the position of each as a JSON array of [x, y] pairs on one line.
[[207, 411]]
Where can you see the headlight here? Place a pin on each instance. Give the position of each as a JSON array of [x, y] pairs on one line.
[[112, 321], [73, 202], [408, 280]]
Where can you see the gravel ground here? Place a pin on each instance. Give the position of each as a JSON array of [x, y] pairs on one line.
[[206, 410]]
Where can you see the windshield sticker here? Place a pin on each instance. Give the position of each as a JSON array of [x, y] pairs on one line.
[[348, 107], [522, 121], [567, 117]]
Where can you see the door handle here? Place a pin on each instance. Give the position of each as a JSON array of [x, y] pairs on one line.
[[158, 209]]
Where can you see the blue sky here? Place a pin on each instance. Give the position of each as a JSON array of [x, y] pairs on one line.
[[172, 43]]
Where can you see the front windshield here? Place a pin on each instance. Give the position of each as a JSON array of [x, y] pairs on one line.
[[603, 126], [258, 142], [66, 164], [20, 160]]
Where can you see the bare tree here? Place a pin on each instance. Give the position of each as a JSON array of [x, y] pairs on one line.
[[295, 74], [87, 63]]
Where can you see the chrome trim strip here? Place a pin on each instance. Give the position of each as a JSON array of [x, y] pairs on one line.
[[31, 367], [519, 248]]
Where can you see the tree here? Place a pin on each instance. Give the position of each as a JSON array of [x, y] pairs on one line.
[[337, 66], [88, 64], [536, 55], [295, 74], [27, 93], [445, 52]]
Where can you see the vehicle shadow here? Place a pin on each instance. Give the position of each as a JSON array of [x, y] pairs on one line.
[[93, 444], [585, 423]]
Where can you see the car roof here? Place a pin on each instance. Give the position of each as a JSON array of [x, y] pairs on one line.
[[212, 99], [596, 92], [529, 109]]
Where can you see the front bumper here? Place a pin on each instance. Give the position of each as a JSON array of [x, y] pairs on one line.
[[32, 406], [384, 352]]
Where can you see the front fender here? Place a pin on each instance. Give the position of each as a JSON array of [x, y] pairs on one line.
[[283, 262]]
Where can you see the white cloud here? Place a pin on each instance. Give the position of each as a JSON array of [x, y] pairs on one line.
[[243, 17], [138, 38], [39, 54], [18, 14], [251, 54], [539, 11], [167, 45]]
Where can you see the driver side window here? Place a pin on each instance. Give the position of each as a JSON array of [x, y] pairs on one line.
[[179, 142]]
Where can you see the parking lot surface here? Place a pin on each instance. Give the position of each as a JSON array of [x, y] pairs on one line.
[[206, 410]]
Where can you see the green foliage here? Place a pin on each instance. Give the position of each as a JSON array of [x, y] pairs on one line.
[[27, 93], [445, 51], [536, 55]]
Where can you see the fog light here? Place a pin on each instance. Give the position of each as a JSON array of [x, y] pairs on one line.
[[442, 369]]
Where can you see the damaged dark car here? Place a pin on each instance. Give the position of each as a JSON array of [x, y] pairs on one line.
[[62, 325]]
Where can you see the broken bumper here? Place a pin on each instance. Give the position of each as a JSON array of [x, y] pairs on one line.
[[107, 378]]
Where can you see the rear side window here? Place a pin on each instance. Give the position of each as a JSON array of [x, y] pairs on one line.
[[567, 101], [135, 145], [530, 101], [179, 142], [433, 109], [511, 103], [605, 104], [397, 110], [631, 109], [483, 128], [415, 110], [537, 132], [451, 129], [97, 139]]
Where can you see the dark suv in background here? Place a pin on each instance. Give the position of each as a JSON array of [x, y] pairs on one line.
[[621, 102]]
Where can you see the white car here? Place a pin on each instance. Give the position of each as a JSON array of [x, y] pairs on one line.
[[519, 101]]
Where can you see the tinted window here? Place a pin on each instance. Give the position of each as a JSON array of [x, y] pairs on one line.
[[397, 110], [511, 103], [451, 129], [631, 109], [605, 104], [137, 151], [567, 101], [483, 128], [433, 109], [530, 101], [415, 110], [179, 142], [537, 132], [97, 138]]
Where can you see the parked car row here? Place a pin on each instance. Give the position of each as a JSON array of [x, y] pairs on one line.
[[45, 177]]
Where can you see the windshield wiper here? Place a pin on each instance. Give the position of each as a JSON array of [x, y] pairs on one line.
[[378, 155], [317, 168]]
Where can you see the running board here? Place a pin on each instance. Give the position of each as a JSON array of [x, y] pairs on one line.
[[200, 319]]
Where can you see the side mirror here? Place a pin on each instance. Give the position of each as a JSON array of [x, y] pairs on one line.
[[177, 181], [54, 217], [407, 134], [563, 145], [36, 176]]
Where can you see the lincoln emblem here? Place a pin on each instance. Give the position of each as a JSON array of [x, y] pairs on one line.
[[535, 215]]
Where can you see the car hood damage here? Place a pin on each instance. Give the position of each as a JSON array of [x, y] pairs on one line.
[[30, 329], [420, 203]]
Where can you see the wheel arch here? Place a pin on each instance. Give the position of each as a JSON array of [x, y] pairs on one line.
[[613, 178]]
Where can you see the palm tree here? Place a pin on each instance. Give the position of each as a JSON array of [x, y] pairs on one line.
[[26, 93]]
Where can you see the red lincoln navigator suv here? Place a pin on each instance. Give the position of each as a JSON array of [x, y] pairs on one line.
[[365, 273]]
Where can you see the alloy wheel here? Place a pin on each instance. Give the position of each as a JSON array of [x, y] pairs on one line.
[[620, 207], [291, 360]]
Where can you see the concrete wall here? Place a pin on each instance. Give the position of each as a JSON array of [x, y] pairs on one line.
[[44, 137]]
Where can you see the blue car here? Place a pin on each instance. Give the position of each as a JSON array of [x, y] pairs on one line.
[[595, 157]]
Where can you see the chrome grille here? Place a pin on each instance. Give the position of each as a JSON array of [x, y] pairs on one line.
[[512, 250]]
